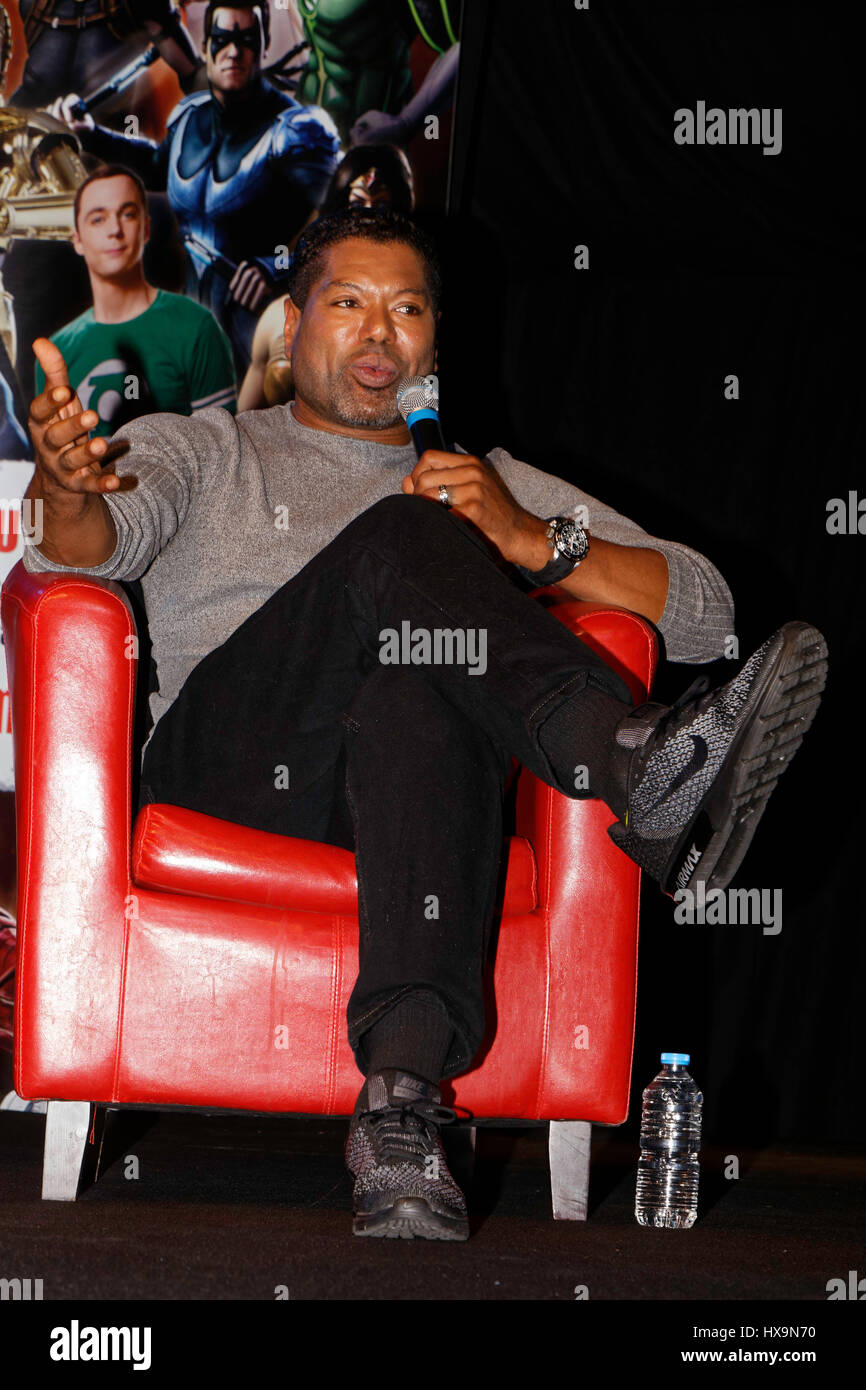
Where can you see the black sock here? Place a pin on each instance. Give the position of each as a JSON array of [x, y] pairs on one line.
[[580, 734], [413, 1036]]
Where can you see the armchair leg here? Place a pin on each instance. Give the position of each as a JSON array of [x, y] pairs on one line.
[[67, 1127], [569, 1146]]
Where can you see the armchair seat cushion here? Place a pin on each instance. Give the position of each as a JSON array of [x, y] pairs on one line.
[[180, 851]]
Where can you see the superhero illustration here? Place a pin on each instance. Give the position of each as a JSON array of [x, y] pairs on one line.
[[71, 42], [40, 170], [358, 64], [245, 166], [14, 443], [258, 122]]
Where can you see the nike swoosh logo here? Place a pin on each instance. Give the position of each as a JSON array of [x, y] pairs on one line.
[[695, 763]]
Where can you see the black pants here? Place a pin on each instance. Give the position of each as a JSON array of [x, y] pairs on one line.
[[294, 725], [67, 60]]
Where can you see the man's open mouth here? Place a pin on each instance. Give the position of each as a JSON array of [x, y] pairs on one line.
[[374, 373]]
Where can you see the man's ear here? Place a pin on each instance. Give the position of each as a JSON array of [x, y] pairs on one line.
[[293, 318]]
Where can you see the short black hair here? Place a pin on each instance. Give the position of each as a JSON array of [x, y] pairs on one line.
[[108, 171], [261, 5], [369, 224]]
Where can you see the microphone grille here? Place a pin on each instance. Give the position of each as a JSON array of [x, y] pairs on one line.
[[417, 393]]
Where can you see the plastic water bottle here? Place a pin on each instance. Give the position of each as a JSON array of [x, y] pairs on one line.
[[670, 1137]]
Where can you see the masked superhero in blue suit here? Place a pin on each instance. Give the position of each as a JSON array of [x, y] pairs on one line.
[[244, 165]]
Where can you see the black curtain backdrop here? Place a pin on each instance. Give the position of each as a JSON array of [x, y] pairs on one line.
[[703, 261]]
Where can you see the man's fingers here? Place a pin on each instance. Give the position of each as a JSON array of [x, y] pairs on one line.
[[45, 406], [64, 109], [242, 291], [241, 281], [58, 403], [88, 481], [88, 453], [84, 468], [73, 407], [441, 459], [243, 278], [248, 285], [431, 478], [463, 499], [50, 359], [63, 432]]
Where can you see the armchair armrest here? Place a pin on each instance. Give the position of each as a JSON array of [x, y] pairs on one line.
[[589, 897], [629, 645], [72, 678]]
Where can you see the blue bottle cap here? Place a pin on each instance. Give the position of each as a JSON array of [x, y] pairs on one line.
[[676, 1059]]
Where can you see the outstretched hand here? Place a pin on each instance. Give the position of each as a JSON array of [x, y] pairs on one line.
[[60, 431]]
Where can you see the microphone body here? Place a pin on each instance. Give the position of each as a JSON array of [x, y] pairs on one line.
[[418, 403], [426, 431]]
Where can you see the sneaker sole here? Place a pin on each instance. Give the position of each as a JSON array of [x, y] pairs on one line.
[[410, 1218], [775, 718]]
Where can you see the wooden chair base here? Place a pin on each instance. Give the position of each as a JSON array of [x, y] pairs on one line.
[[568, 1146], [74, 1131], [68, 1127]]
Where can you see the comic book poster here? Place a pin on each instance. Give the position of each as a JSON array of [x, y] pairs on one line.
[[228, 130]]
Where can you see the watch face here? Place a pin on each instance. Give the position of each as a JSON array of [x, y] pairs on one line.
[[570, 539]]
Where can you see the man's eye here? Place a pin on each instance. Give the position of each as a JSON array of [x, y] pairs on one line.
[[338, 302], [413, 308]]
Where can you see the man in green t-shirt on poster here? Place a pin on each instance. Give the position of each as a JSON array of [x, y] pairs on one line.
[[139, 349]]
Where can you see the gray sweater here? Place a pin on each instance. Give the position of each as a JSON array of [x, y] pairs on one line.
[[228, 508]]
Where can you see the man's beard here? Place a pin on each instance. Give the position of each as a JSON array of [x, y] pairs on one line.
[[356, 407]]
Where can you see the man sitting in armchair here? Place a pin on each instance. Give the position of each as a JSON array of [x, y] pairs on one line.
[[303, 573]]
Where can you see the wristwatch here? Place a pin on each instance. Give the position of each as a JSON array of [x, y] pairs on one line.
[[570, 544]]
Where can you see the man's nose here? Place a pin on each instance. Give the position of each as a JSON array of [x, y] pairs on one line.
[[377, 323]]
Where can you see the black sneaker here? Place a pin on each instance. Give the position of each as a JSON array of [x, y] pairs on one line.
[[402, 1184], [703, 769]]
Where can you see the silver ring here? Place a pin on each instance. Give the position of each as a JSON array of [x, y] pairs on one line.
[[444, 497]]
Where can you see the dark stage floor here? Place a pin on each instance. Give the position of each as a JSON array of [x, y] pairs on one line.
[[230, 1207]]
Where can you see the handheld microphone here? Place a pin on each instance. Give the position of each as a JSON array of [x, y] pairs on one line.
[[418, 403]]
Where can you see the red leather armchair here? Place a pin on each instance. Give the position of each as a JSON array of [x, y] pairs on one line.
[[185, 960]]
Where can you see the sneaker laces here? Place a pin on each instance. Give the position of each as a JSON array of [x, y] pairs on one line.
[[684, 708], [395, 1133], [680, 712]]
